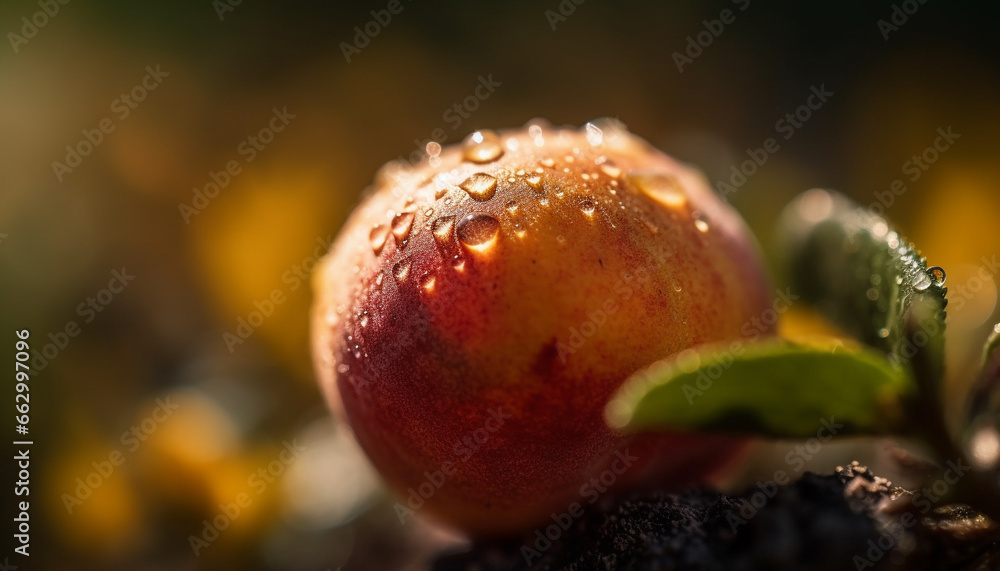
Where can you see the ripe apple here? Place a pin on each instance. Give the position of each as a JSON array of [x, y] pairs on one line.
[[479, 308]]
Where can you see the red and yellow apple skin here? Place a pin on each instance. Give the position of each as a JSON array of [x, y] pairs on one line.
[[478, 310]]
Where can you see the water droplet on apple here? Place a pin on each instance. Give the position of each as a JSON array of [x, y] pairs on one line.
[[699, 221], [480, 186], [441, 228], [401, 225], [377, 238], [482, 147], [401, 270], [478, 231], [662, 188]]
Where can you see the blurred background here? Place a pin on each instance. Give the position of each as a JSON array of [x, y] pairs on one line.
[[212, 149]]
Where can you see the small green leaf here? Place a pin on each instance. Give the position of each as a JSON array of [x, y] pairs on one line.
[[848, 262], [770, 388]]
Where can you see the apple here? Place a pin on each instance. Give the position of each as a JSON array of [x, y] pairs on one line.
[[478, 310]]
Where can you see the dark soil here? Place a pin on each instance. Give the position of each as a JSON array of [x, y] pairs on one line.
[[848, 520]]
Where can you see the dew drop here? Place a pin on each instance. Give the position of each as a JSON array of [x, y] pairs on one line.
[[937, 272], [480, 186], [482, 147], [429, 212], [535, 182], [561, 240], [543, 201], [427, 282], [678, 288], [343, 368], [519, 231], [883, 333], [364, 320], [441, 228], [511, 207], [922, 282], [401, 225], [660, 187], [587, 207], [699, 221], [378, 236], [535, 131], [547, 162], [611, 170], [478, 231], [893, 240], [401, 270], [458, 263], [378, 279], [439, 193], [595, 136]]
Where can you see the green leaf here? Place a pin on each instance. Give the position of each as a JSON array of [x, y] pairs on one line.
[[848, 262], [770, 388]]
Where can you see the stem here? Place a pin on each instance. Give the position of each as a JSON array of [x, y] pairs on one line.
[[977, 488]]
